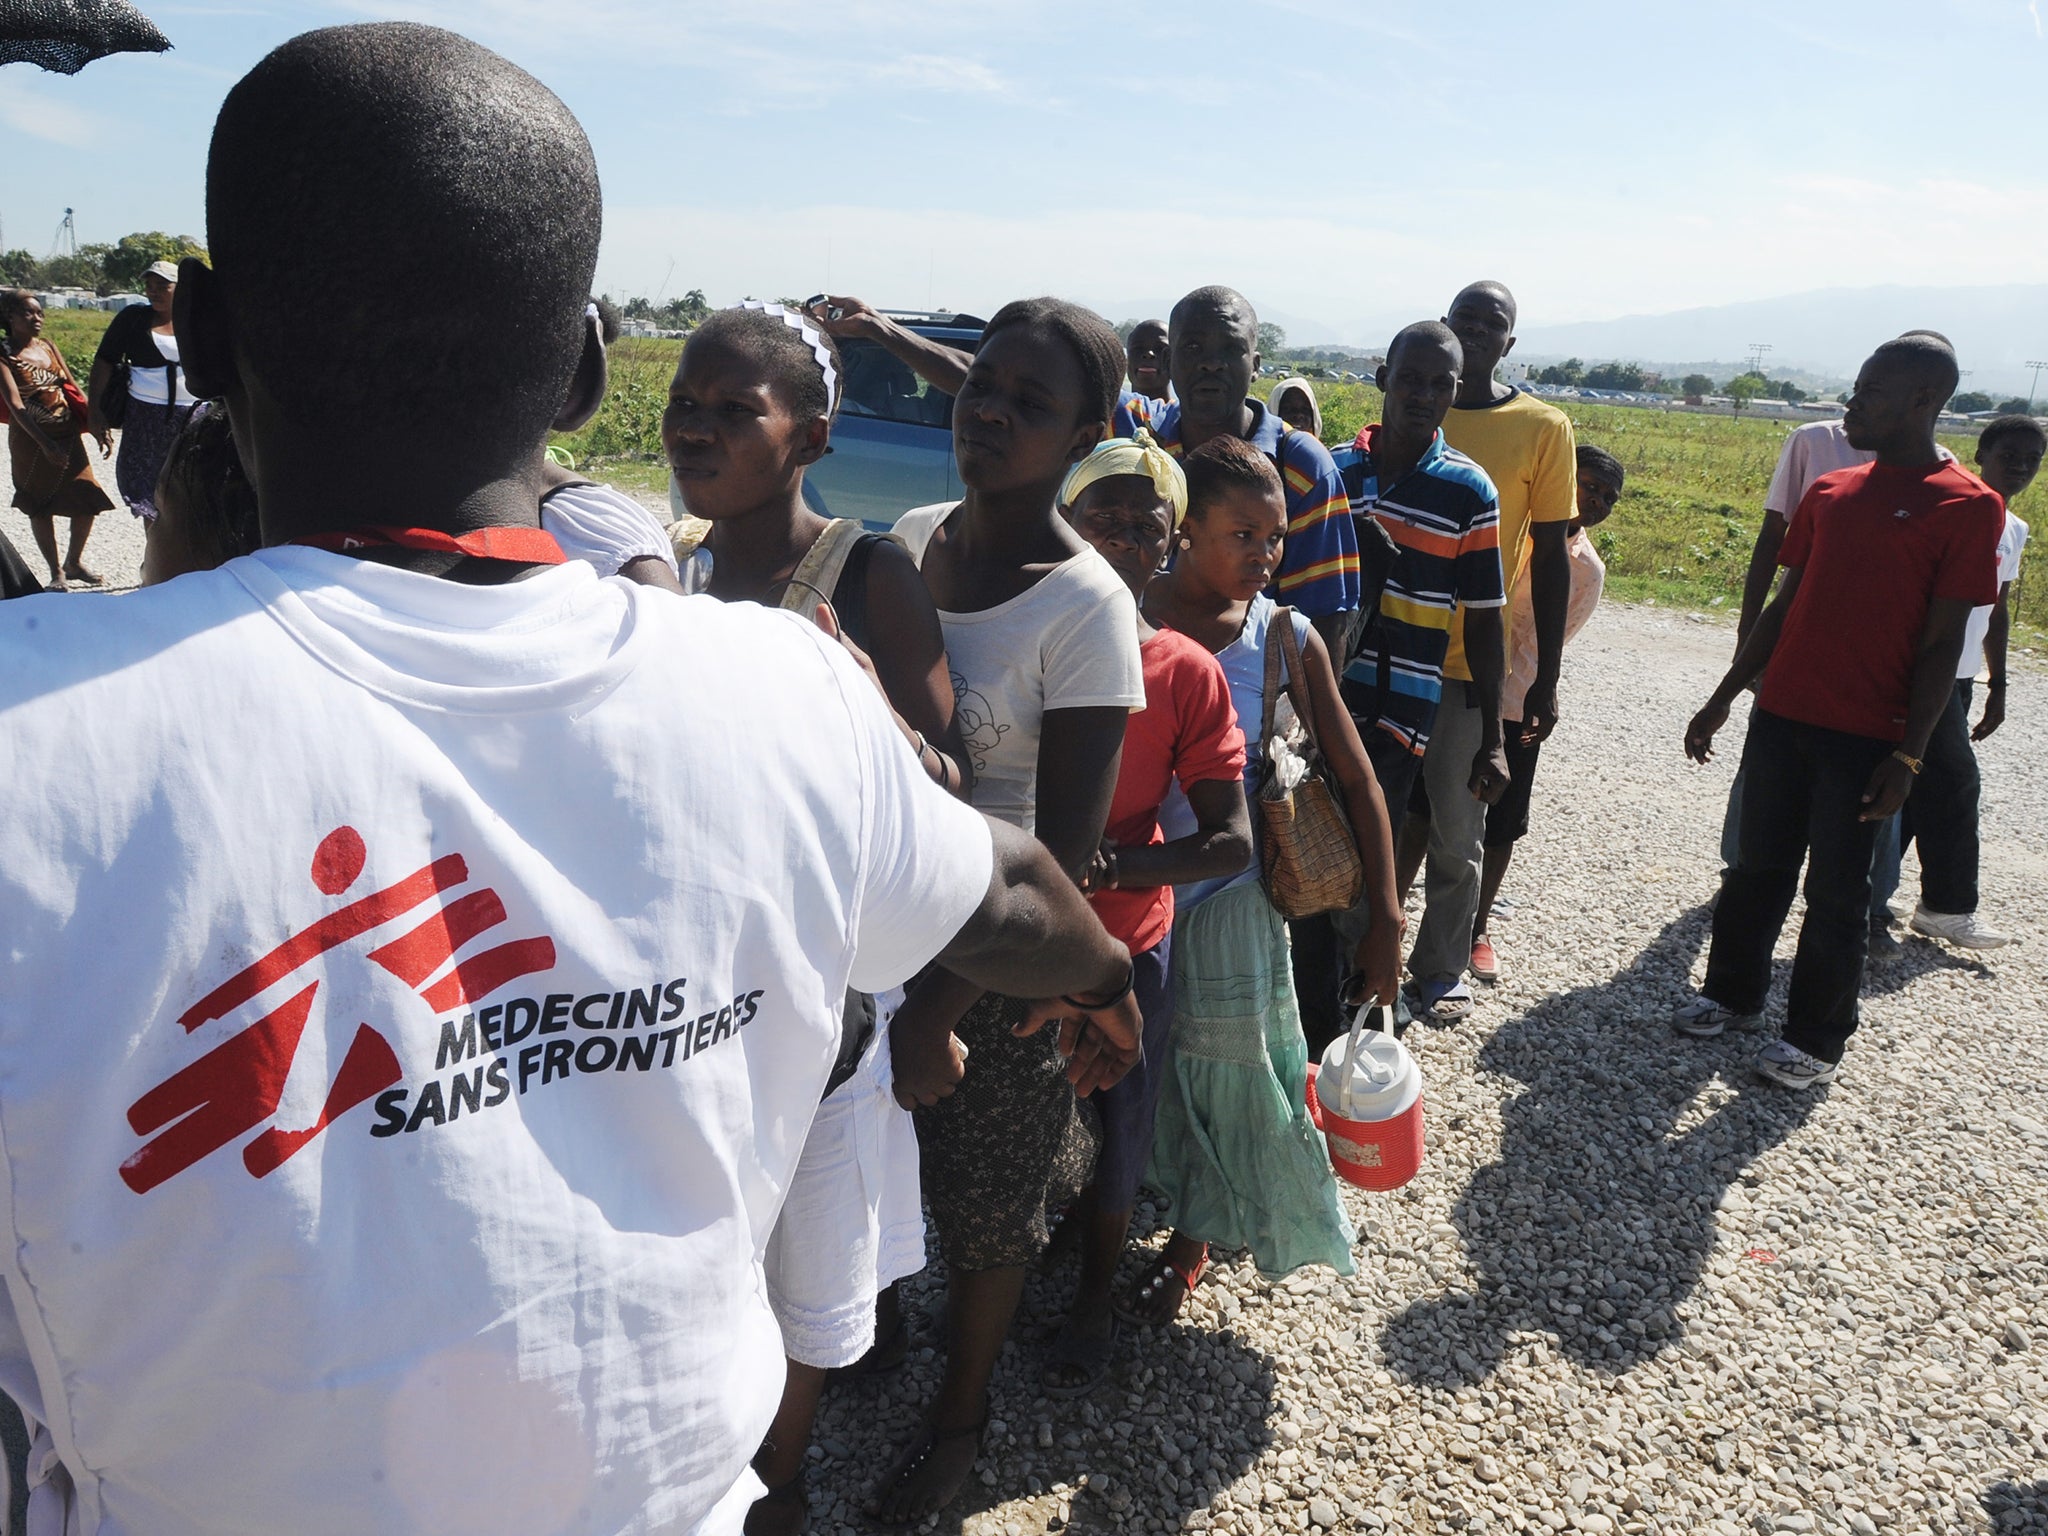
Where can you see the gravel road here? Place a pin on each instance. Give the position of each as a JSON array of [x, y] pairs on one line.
[[115, 548], [1631, 1291]]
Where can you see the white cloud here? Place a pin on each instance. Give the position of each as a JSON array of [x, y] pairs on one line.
[[937, 72], [39, 115]]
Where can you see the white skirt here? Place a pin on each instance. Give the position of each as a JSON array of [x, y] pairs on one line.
[[853, 1221]]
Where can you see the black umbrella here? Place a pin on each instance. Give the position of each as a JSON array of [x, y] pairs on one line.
[[67, 35]]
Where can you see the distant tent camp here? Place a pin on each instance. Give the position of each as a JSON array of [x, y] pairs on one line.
[[67, 35]]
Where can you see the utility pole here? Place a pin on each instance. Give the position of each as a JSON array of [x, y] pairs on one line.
[[2037, 367], [1757, 349]]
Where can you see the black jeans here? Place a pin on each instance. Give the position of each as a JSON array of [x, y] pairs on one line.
[[1942, 812], [1321, 956], [1802, 799]]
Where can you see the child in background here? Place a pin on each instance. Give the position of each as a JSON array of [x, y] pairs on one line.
[[1507, 820], [750, 408], [1294, 401], [1127, 498], [1235, 1151]]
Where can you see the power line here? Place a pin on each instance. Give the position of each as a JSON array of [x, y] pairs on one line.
[[2037, 367], [1757, 349]]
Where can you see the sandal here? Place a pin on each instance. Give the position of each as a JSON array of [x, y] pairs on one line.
[[1087, 1360], [1443, 1003], [915, 1458], [885, 1354], [1143, 1303], [774, 1506]]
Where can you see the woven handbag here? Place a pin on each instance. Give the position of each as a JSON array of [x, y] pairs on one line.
[[1308, 858]]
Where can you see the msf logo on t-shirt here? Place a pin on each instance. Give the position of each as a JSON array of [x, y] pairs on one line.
[[237, 1086]]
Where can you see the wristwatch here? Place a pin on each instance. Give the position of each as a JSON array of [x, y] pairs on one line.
[[1913, 763]]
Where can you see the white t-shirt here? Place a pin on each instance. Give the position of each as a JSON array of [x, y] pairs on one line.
[[552, 923], [1815, 449], [1070, 642], [2012, 543], [151, 385], [604, 528]]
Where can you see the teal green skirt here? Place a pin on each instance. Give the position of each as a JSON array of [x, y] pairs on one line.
[[1234, 1149]]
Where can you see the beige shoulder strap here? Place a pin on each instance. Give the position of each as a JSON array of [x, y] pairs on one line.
[[817, 575], [685, 534]]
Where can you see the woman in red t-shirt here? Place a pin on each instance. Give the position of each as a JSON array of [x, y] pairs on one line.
[[1127, 499]]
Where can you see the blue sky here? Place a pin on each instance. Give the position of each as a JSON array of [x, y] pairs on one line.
[[1339, 160]]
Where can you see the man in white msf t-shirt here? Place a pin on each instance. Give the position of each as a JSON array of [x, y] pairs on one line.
[[424, 958]]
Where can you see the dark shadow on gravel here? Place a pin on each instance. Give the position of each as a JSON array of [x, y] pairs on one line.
[[1184, 1412], [1918, 957], [1597, 1221], [2017, 1509]]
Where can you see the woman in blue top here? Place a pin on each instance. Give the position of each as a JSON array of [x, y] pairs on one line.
[[1234, 1149]]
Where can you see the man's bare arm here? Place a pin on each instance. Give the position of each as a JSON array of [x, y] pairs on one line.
[[941, 366], [1763, 570]]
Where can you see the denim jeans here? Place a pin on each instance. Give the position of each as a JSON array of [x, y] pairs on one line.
[[1802, 802]]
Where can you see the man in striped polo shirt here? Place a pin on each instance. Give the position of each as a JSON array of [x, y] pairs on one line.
[[1213, 355], [1444, 517]]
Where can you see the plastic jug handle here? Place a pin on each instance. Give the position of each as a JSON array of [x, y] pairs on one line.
[[1351, 1055], [1380, 1075]]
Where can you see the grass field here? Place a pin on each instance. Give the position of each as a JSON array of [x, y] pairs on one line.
[[1683, 530], [1681, 534]]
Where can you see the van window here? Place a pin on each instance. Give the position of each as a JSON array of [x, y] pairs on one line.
[[884, 387]]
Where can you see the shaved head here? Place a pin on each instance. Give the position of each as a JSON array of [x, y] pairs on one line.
[[1488, 288], [1927, 360], [1219, 300], [1433, 332], [404, 227]]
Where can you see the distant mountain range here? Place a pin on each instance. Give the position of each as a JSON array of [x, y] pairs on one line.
[[1829, 332], [1822, 334]]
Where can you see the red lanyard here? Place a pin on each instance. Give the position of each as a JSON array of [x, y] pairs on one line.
[[519, 546]]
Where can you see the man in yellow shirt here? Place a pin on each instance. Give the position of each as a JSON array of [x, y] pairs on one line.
[[1526, 447]]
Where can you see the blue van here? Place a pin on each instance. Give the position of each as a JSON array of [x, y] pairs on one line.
[[892, 446]]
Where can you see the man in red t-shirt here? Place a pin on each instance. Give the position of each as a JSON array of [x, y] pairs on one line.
[[1857, 651]]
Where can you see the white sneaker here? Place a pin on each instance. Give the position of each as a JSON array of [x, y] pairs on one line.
[[1958, 928], [1703, 1018], [1789, 1067]]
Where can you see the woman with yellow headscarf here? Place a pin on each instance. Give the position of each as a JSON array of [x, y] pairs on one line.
[[1127, 498]]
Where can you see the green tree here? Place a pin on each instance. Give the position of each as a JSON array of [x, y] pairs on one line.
[[1970, 401], [1571, 372], [1785, 389], [1615, 376], [1745, 387], [1272, 340], [18, 269], [131, 255], [1697, 384], [86, 269], [2016, 406]]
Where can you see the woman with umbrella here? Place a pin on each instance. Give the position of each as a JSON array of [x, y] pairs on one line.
[[46, 439], [138, 386]]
